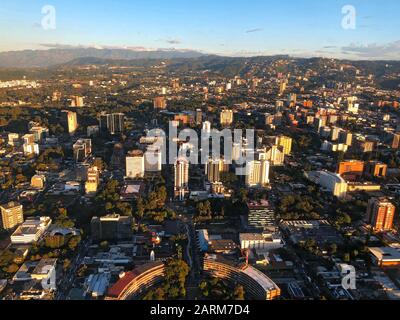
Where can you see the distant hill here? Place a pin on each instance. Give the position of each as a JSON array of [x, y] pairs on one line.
[[51, 57]]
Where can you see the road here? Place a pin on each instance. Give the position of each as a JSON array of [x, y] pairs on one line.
[[69, 277]]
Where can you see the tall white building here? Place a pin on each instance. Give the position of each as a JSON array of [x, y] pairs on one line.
[[257, 173], [330, 181], [135, 164], [181, 185]]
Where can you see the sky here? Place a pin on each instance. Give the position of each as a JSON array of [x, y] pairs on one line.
[[226, 27]]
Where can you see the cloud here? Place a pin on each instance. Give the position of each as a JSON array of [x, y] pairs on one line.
[[173, 41], [329, 47], [254, 30], [389, 50]]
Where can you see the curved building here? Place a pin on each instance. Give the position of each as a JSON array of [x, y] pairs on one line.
[[255, 283], [134, 284]]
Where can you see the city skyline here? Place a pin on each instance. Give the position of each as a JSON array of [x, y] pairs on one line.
[[263, 28]]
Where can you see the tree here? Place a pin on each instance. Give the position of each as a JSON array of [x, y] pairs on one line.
[[74, 242], [239, 293]]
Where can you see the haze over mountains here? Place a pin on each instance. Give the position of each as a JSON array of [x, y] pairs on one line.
[[51, 57]]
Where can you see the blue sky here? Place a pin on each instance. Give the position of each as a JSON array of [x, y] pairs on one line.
[[230, 27]]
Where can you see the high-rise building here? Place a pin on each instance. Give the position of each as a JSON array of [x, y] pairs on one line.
[[92, 181], [395, 141], [77, 101], [135, 164], [380, 214], [292, 99], [40, 133], [352, 167], [153, 160], [376, 169], [29, 146], [214, 167], [160, 103], [111, 227], [199, 117], [346, 138], [82, 149], [286, 143], [56, 96], [113, 123], [14, 139], [181, 181], [226, 117], [352, 105], [12, 214], [70, 121], [257, 174]]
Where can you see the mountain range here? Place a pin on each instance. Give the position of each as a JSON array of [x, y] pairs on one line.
[[57, 56]]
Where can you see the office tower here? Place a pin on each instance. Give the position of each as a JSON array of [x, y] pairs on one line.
[[113, 123], [380, 214], [38, 181], [292, 99], [199, 117], [175, 84], [352, 106], [160, 103], [257, 174], [14, 140], [335, 133], [346, 138], [30, 149], [92, 131], [275, 155], [214, 167], [70, 121], [77, 102], [39, 133], [181, 181], [12, 214], [286, 143], [135, 164], [261, 216], [282, 87], [92, 181], [82, 149], [28, 139], [153, 160], [111, 228], [56, 97], [352, 167], [226, 117], [395, 141], [376, 169], [118, 156]]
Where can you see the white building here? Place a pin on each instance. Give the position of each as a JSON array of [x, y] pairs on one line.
[[31, 230], [135, 164], [330, 181], [181, 184], [14, 139], [31, 148], [257, 173], [260, 241]]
